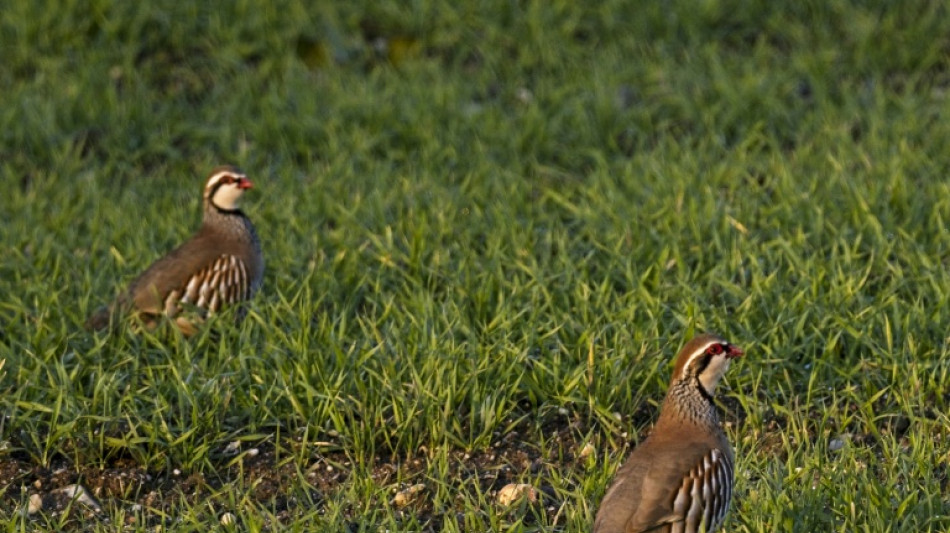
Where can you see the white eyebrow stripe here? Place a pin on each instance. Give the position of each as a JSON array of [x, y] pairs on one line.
[[699, 352], [216, 177]]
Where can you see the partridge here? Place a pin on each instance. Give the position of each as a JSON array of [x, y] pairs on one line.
[[220, 265], [679, 480]]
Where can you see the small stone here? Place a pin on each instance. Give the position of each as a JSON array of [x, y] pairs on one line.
[[79, 494], [37, 483], [586, 451], [837, 443], [513, 492], [176, 472], [563, 411], [35, 505], [404, 497], [228, 519], [523, 94], [232, 448], [253, 452]]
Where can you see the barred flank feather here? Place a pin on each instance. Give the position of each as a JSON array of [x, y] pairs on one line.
[[703, 498], [223, 282]]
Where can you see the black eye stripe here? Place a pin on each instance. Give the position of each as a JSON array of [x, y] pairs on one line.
[[703, 363], [226, 179]]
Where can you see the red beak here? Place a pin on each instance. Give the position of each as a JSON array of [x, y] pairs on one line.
[[734, 351], [244, 183]]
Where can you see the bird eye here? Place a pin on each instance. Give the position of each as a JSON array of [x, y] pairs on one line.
[[715, 349]]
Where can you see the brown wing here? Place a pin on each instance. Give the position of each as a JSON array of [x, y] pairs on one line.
[[653, 492], [200, 272]]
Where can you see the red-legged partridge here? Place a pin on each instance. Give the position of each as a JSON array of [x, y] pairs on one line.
[[219, 265], [679, 480]]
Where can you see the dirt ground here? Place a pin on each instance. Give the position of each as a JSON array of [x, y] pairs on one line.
[[269, 473], [272, 480]]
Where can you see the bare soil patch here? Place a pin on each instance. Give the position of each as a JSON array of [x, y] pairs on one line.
[[275, 480]]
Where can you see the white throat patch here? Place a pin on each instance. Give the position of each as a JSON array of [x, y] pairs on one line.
[[710, 377], [226, 196]]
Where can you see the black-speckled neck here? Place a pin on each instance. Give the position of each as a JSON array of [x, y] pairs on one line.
[[687, 400]]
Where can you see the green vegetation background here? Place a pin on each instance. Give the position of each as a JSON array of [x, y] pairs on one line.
[[480, 216]]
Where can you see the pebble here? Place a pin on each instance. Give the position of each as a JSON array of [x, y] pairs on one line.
[[837, 443], [35, 505], [228, 519], [523, 94], [586, 451], [404, 497], [513, 492], [81, 495], [72, 492], [232, 448]]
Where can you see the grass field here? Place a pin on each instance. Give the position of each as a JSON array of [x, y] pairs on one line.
[[488, 228]]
